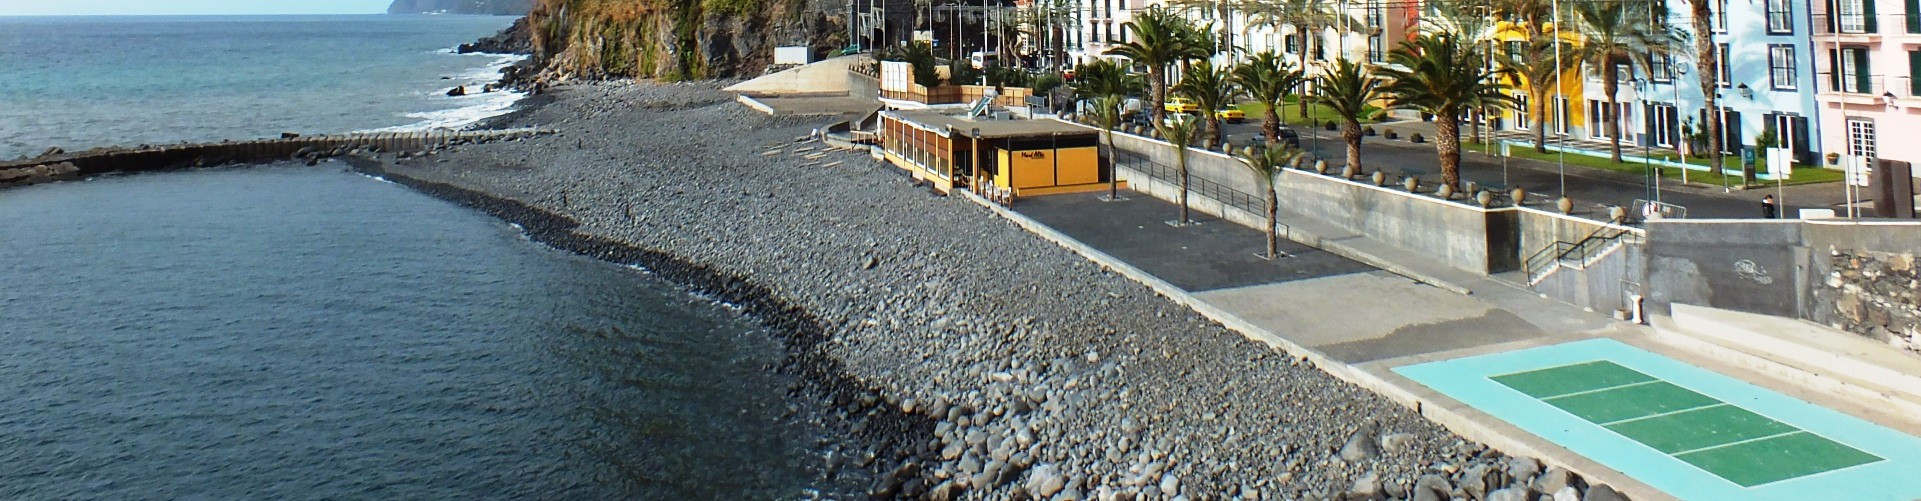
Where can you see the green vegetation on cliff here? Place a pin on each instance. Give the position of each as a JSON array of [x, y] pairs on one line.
[[672, 39]]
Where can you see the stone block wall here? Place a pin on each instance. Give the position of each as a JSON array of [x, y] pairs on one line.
[[1876, 294]]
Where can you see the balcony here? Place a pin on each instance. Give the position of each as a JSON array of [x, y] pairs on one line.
[[1906, 95], [1851, 91], [1861, 28]]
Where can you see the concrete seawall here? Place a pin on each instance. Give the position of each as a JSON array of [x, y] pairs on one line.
[[76, 165]]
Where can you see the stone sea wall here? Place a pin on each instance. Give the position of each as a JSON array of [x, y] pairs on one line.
[[1876, 294]]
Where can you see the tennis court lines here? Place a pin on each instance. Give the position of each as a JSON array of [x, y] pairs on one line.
[[1720, 438]]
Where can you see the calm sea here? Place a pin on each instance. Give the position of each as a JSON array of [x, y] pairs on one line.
[[289, 332], [81, 82]]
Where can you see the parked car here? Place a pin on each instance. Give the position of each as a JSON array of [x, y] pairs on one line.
[[1231, 115], [1289, 137], [1182, 105]]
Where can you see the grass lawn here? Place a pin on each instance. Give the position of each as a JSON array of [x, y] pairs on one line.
[[1802, 175], [1292, 116]]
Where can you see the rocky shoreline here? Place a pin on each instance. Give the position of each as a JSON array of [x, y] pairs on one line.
[[964, 357]]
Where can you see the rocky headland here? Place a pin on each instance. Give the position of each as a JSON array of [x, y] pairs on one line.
[[963, 356]]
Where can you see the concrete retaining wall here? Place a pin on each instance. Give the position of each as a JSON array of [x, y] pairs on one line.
[[1752, 266], [1463, 236]]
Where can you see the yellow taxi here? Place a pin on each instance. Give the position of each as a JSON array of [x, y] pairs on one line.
[[1182, 105], [1231, 115]]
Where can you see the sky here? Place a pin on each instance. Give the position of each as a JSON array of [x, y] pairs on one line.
[[197, 7]]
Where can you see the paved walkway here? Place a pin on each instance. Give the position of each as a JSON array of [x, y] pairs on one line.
[[1364, 323], [1592, 189]]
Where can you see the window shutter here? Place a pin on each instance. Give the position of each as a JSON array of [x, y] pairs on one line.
[[1834, 11], [1731, 123], [1867, 8], [1914, 72], [1834, 70], [1863, 74], [1914, 16], [1800, 135]]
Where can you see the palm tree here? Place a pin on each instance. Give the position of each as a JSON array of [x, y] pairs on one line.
[[1614, 33], [1212, 89], [1267, 78], [1536, 65], [1160, 41], [1109, 84], [1107, 112], [1304, 15], [1707, 64], [1179, 132], [1346, 89], [1266, 164], [1437, 74]]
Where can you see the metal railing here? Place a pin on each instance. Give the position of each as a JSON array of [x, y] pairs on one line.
[[1881, 23], [1197, 185], [1848, 84], [1577, 255]]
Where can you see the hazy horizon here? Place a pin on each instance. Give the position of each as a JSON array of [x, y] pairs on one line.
[[189, 7]]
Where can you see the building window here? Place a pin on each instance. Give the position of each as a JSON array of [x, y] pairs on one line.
[[1852, 74], [1855, 16], [1602, 114], [1781, 67], [1721, 64], [1667, 125], [1376, 24], [1660, 68], [1780, 17], [1521, 112], [1292, 43], [1861, 137], [1514, 52], [1720, 17]]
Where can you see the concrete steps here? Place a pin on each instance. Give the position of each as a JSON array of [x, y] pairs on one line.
[[1802, 353]]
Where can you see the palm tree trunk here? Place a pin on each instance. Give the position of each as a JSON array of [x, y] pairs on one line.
[[1213, 130], [1113, 165], [1351, 133], [1706, 64], [1273, 220], [1181, 161], [1447, 132], [1540, 118], [1157, 82], [1301, 95], [1271, 125], [1610, 84]]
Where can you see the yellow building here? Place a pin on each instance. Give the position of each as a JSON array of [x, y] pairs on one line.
[[1023, 157], [1563, 114]]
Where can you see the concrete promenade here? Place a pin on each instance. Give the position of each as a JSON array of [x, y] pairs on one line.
[[1361, 322]]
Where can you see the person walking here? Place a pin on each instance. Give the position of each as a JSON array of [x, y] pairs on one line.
[[1767, 207]]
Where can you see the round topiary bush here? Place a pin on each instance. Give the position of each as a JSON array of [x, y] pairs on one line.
[[1416, 137]]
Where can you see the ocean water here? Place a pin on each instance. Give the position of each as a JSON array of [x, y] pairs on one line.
[[288, 332], [82, 82]]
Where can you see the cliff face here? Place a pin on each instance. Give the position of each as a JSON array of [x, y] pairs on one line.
[[488, 7], [678, 39]]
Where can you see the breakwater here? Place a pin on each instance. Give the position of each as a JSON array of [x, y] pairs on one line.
[[57, 165]]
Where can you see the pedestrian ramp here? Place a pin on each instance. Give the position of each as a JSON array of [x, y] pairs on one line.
[[1687, 431]]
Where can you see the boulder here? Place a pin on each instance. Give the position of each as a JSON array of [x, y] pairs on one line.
[[457, 91]]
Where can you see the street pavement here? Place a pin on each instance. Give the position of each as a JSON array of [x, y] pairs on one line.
[[1592, 190]]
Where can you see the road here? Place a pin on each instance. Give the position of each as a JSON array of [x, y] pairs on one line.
[[1592, 190]]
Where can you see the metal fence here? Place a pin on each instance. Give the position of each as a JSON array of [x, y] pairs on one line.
[[1253, 204]]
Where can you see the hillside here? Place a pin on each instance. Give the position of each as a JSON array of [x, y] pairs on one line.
[[491, 7], [677, 39]]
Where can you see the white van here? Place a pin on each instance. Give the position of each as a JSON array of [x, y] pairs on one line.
[[982, 60]]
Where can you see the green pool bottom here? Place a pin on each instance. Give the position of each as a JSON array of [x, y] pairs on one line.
[[1723, 439], [1686, 431]]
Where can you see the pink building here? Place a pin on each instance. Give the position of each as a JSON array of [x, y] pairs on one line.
[[1869, 55]]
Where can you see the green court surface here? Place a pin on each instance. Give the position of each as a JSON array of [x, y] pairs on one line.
[[1730, 442], [1686, 431]]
